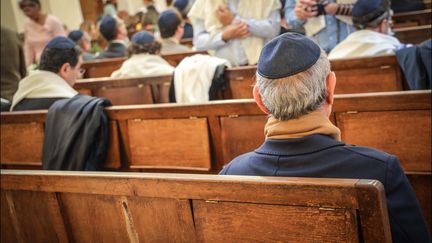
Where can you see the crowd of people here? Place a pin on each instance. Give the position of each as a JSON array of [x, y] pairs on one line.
[[294, 82]]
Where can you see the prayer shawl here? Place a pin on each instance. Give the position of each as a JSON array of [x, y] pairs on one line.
[[365, 43], [42, 84], [193, 77], [143, 65], [313, 123], [316, 24], [256, 9]]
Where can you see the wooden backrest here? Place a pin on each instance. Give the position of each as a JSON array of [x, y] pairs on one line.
[[354, 75], [414, 35], [175, 58], [131, 207], [413, 18], [102, 67], [22, 135], [127, 91]]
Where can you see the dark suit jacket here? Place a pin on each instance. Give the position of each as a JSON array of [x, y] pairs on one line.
[[114, 49], [321, 156], [13, 67]]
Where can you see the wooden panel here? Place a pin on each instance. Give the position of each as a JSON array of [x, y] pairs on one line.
[[422, 187], [175, 58], [241, 81], [151, 216], [22, 143], [403, 133], [102, 67], [414, 35], [241, 134], [140, 94], [365, 80], [8, 233], [85, 92], [113, 155], [38, 221], [95, 218], [414, 18], [170, 143], [242, 222]]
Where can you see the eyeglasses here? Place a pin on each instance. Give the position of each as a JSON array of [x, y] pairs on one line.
[[82, 71]]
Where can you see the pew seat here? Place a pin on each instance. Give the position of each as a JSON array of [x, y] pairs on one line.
[[131, 207]]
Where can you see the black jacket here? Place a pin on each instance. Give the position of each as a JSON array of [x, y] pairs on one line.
[[323, 157], [416, 64], [113, 50], [76, 134]]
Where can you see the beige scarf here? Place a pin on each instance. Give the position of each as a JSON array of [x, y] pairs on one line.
[[247, 9], [313, 123]]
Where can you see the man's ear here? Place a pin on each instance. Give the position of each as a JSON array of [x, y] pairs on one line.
[[258, 100], [383, 26], [331, 84], [63, 70]]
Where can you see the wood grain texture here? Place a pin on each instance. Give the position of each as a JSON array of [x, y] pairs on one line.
[[22, 143], [414, 35], [132, 207], [169, 143]]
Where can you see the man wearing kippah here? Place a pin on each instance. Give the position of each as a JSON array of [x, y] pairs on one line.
[[59, 68], [171, 31], [83, 43], [295, 87], [372, 18], [114, 31]]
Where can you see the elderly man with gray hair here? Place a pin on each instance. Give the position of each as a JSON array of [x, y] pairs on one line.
[[295, 87]]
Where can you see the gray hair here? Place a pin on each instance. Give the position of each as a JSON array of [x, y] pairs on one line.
[[294, 96]]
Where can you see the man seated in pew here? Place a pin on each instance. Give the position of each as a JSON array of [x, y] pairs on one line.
[[59, 68], [83, 43], [171, 31], [145, 59], [183, 6], [234, 30], [372, 19], [114, 31], [295, 87]]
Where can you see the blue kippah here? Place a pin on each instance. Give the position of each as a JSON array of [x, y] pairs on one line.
[[60, 42], [142, 37], [168, 18], [364, 7], [108, 27], [181, 4], [75, 35], [286, 55]]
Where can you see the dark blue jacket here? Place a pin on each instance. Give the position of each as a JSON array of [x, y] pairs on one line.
[[114, 49], [321, 156]]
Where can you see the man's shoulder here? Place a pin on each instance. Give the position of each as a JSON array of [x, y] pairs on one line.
[[367, 152]]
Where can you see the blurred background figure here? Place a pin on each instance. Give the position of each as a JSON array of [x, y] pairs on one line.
[[115, 33], [82, 41], [183, 6], [144, 58], [13, 67], [39, 29], [171, 31], [110, 7], [97, 41]]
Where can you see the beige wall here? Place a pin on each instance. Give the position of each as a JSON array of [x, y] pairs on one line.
[[68, 11]]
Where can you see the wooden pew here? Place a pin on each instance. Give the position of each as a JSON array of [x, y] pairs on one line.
[[126, 91], [413, 18], [130, 207], [414, 35], [187, 42], [203, 137], [356, 75], [104, 67]]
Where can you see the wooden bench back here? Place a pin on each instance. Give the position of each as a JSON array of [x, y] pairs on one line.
[[104, 67], [131, 207], [413, 18], [354, 75], [127, 91], [414, 35]]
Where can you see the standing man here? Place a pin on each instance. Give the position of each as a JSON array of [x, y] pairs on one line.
[[235, 30]]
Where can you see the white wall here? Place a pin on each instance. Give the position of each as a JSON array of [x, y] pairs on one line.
[[68, 11]]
